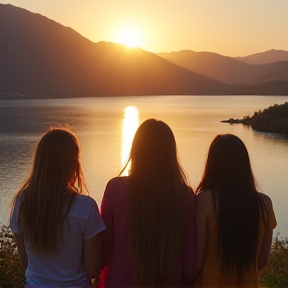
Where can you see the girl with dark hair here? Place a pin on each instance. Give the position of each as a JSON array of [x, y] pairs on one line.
[[150, 237], [56, 227], [234, 222]]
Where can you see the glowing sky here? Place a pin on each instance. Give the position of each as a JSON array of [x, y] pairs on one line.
[[227, 27]]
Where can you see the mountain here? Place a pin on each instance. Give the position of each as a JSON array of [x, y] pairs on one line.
[[273, 71], [265, 57], [43, 59], [214, 65], [267, 88], [227, 69]]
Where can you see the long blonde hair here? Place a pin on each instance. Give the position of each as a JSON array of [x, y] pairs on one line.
[[49, 192]]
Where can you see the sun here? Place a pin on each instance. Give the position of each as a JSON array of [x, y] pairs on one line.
[[129, 36]]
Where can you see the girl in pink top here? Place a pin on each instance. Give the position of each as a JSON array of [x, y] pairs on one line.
[[150, 237]]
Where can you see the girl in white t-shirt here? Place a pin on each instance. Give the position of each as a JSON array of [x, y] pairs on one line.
[[56, 227]]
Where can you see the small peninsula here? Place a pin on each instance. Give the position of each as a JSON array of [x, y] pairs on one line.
[[273, 119]]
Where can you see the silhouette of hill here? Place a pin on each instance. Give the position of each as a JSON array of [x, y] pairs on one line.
[[273, 119], [265, 57], [273, 71], [43, 59], [227, 69], [268, 88]]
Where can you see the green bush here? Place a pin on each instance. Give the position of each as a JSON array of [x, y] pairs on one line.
[[11, 270], [276, 273]]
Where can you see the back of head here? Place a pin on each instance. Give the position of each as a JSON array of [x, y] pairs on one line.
[[49, 192], [229, 176], [228, 164], [156, 195], [57, 159], [154, 150]]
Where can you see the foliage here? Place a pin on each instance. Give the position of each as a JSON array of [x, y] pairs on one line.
[[276, 273], [273, 119], [11, 270]]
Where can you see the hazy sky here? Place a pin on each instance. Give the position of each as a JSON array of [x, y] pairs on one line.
[[227, 27]]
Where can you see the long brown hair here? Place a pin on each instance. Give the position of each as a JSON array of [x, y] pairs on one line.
[[157, 194], [49, 192], [229, 176]]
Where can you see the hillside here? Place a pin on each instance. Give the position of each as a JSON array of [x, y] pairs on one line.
[[41, 58], [273, 119], [265, 57], [273, 71], [267, 88], [227, 69]]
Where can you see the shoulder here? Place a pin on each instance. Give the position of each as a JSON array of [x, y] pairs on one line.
[[204, 203], [116, 185], [118, 181], [84, 200], [204, 197], [116, 191], [265, 200], [269, 215], [14, 225], [17, 200], [82, 206]]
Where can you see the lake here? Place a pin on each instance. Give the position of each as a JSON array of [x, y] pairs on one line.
[[105, 129]]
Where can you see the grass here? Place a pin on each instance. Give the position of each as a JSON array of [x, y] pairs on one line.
[[276, 273], [11, 270]]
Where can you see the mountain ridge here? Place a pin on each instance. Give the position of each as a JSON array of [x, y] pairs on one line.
[[226, 69], [40, 58], [270, 56]]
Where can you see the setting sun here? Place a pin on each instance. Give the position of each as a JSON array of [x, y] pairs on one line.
[[129, 36]]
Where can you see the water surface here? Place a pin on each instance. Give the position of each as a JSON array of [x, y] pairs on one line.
[[104, 137]]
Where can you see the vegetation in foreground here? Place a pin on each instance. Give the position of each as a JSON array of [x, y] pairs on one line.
[[276, 273], [12, 273], [11, 270]]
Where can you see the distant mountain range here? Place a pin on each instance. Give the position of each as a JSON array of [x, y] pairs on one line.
[[229, 70], [265, 57], [40, 58]]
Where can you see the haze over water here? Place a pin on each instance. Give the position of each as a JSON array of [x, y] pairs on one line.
[[105, 130]]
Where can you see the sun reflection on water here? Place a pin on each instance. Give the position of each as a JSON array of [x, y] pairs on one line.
[[130, 125]]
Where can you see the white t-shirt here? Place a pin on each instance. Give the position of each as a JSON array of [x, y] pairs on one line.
[[64, 267]]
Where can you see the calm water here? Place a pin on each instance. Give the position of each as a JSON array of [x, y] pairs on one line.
[[105, 131]]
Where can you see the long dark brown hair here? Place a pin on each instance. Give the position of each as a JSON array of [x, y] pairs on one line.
[[156, 197], [229, 176], [49, 192]]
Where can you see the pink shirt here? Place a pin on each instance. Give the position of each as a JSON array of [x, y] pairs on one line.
[[116, 261]]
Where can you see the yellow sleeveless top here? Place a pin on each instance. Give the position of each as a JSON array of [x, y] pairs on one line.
[[210, 275]]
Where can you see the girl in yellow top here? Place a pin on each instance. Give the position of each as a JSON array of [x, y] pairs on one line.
[[234, 222]]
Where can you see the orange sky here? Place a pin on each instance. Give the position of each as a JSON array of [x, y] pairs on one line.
[[227, 27]]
